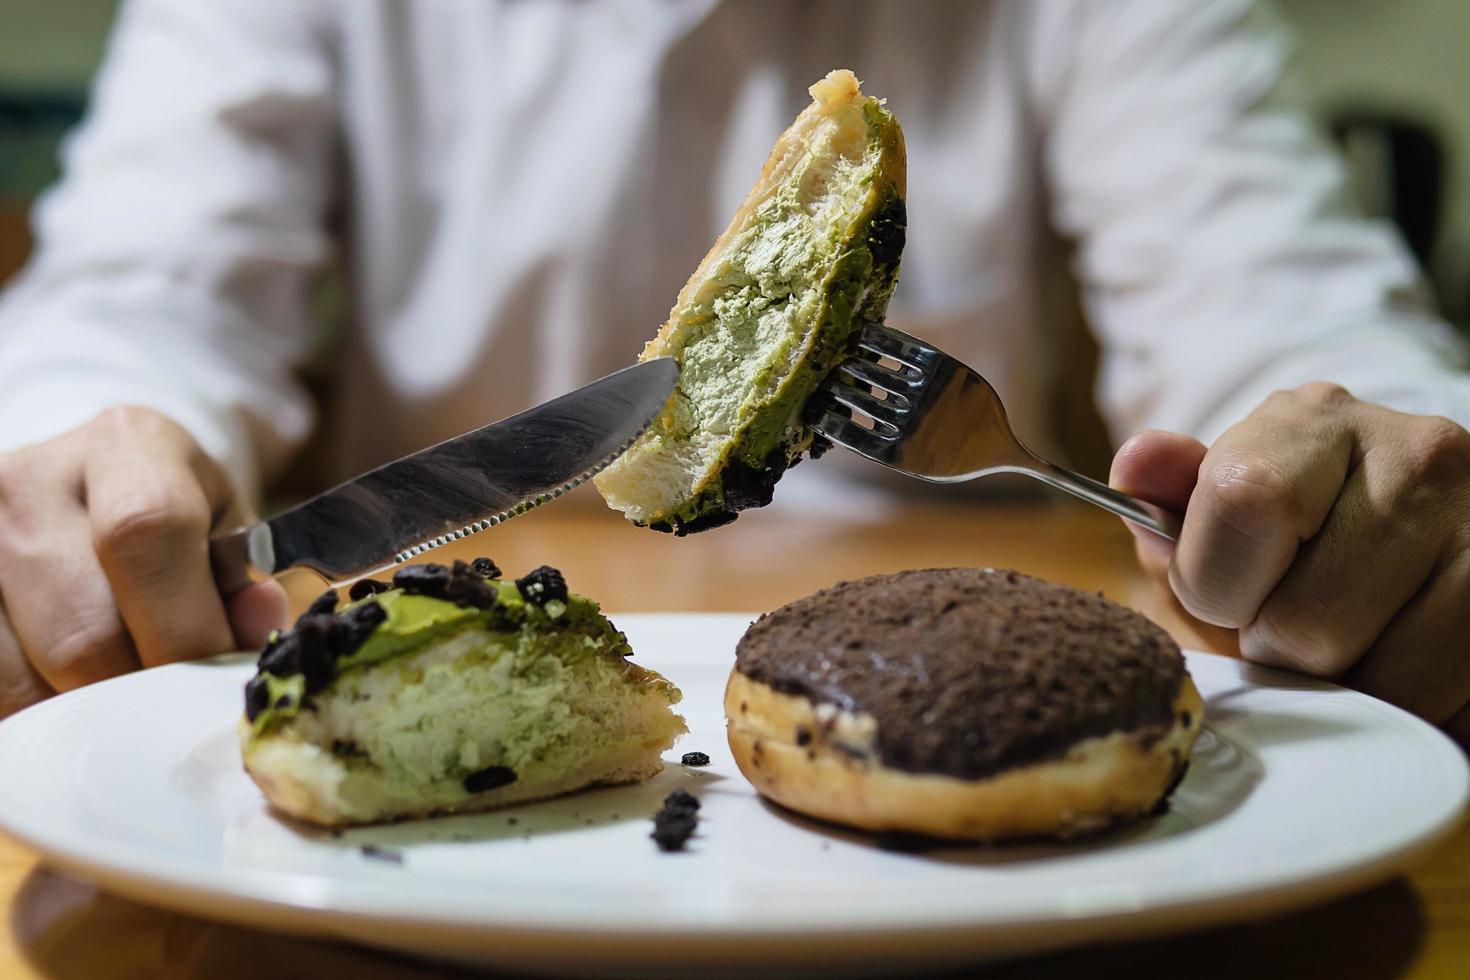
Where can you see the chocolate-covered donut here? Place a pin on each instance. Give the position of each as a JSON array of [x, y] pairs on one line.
[[1017, 706]]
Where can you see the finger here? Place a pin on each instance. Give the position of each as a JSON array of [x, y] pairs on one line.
[[1320, 620], [153, 497], [256, 610], [1161, 468], [1265, 486], [1458, 727], [58, 602], [1421, 662], [21, 685]]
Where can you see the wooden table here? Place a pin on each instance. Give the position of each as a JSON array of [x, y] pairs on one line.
[[1415, 926]]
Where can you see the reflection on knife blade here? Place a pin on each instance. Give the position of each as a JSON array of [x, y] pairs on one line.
[[459, 487]]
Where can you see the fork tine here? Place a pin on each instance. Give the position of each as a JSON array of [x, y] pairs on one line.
[[887, 342], [894, 382], [885, 413], [846, 433]]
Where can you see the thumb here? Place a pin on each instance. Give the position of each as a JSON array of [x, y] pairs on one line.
[[1161, 468], [256, 610]]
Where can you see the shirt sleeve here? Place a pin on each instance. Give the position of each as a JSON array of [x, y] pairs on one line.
[[175, 257], [1219, 257]]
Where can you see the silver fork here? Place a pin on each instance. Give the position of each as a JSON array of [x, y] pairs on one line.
[[910, 406]]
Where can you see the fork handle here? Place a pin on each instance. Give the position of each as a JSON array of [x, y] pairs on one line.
[[1156, 519]]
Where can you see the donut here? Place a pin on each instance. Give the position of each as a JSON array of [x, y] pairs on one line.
[[961, 703], [449, 691], [812, 253]]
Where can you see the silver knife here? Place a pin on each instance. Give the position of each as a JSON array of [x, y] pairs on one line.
[[482, 478]]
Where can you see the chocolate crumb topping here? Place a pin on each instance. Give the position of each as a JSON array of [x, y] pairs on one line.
[[969, 672], [257, 696], [428, 579], [365, 587], [469, 588], [313, 650], [695, 759], [322, 605], [491, 777], [542, 585], [355, 625], [484, 566]]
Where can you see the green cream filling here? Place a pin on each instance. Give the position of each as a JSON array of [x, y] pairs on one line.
[[505, 701], [549, 637]]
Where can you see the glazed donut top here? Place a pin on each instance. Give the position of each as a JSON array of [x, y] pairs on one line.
[[970, 672]]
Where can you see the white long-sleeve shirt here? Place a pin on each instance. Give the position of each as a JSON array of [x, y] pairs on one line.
[[517, 190]]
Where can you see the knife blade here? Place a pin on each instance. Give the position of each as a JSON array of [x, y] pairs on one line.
[[456, 488]]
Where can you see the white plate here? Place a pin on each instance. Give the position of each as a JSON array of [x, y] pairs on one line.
[[1298, 790]]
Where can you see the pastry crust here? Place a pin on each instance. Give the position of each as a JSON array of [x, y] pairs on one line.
[[835, 774], [308, 783]]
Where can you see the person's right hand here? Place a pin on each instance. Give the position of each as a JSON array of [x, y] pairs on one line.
[[104, 558]]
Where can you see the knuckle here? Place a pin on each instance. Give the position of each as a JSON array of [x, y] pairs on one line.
[[145, 520], [12, 479], [81, 655], [1202, 599], [1251, 495], [16, 695], [123, 418], [1300, 637], [1438, 450], [1324, 394], [22, 530]]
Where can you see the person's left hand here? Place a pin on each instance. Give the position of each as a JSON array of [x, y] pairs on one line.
[[1333, 534]]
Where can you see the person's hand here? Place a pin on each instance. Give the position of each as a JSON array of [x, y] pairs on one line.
[[1333, 534], [104, 562]]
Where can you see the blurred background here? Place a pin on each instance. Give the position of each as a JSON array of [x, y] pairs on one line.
[[1387, 78]]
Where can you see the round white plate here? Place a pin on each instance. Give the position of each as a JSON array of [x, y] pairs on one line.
[[1298, 790]]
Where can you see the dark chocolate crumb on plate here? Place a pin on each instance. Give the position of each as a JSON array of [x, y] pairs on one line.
[[674, 824], [484, 566], [695, 759], [542, 585], [681, 799], [491, 777], [378, 853]]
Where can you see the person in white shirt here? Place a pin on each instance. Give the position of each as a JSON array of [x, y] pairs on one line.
[[518, 189]]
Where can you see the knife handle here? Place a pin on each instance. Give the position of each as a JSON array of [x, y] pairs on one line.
[[242, 557]]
